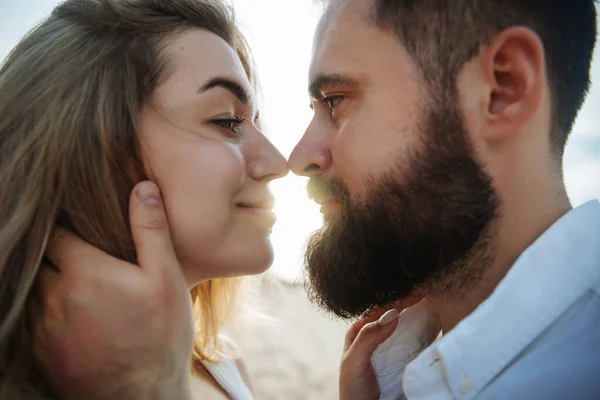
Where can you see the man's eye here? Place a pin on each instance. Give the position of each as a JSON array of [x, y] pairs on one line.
[[332, 101]]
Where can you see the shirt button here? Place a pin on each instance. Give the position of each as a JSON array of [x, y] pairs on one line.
[[465, 386]]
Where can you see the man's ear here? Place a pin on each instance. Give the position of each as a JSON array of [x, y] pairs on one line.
[[514, 67]]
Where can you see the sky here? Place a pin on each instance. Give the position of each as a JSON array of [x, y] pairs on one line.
[[280, 35]]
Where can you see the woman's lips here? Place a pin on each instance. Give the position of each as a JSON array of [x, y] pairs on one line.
[[262, 213]]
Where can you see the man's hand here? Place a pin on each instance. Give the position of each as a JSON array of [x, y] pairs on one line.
[[108, 329], [357, 377]]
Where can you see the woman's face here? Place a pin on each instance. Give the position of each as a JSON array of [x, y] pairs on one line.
[[212, 164]]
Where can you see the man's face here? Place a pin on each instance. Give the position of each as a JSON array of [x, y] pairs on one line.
[[403, 198]]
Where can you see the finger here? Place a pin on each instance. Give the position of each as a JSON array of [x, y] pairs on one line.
[[34, 315], [34, 312], [35, 318], [45, 280], [370, 336], [150, 229], [413, 298], [357, 326], [66, 251]]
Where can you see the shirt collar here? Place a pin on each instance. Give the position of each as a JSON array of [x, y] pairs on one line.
[[543, 283]]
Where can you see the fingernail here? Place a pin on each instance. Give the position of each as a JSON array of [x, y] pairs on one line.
[[148, 193], [388, 317]]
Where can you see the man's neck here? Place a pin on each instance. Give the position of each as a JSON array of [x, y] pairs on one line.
[[521, 221]]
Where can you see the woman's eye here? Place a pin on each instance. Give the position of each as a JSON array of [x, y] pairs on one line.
[[232, 124]]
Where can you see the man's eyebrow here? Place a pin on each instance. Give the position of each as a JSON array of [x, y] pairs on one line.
[[238, 90], [321, 82]]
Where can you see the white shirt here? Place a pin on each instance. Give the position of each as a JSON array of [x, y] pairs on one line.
[[536, 337], [228, 376], [418, 326]]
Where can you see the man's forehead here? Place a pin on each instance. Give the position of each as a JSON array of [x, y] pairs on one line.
[[341, 21], [339, 13]]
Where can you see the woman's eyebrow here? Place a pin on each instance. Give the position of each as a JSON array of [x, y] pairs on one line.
[[238, 90]]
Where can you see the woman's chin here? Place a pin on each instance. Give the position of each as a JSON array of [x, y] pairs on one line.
[[253, 262], [255, 265]]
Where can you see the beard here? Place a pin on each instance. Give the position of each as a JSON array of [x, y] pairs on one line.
[[421, 223]]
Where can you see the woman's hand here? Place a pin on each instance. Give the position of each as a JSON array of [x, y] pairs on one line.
[[357, 377]]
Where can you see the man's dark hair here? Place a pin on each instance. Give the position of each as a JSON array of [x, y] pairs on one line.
[[441, 35]]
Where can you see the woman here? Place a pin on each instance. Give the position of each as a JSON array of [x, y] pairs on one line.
[[107, 93]]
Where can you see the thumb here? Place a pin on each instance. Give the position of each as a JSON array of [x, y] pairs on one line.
[[370, 336], [150, 229]]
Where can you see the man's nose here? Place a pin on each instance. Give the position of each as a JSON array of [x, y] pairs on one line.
[[311, 156]]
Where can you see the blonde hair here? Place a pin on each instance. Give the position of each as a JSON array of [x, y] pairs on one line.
[[71, 92]]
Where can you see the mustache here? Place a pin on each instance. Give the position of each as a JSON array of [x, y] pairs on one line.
[[319, 187]]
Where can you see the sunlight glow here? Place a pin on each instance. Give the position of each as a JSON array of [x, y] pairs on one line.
[[280, 36]]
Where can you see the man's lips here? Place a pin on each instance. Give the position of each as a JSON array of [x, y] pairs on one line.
[[330, 206], [328, 203]]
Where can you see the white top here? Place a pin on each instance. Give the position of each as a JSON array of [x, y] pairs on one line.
[[228, 376], [536, 337], [418, 326]]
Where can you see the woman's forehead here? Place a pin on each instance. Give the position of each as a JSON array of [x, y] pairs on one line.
[[198, 56]]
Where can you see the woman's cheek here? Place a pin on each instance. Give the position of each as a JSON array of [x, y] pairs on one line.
[[200, 201]]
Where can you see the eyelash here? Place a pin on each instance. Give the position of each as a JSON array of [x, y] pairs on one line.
[[231, 123], [328, 100]]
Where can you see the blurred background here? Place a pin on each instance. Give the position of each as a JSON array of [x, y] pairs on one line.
[[295, 355]]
